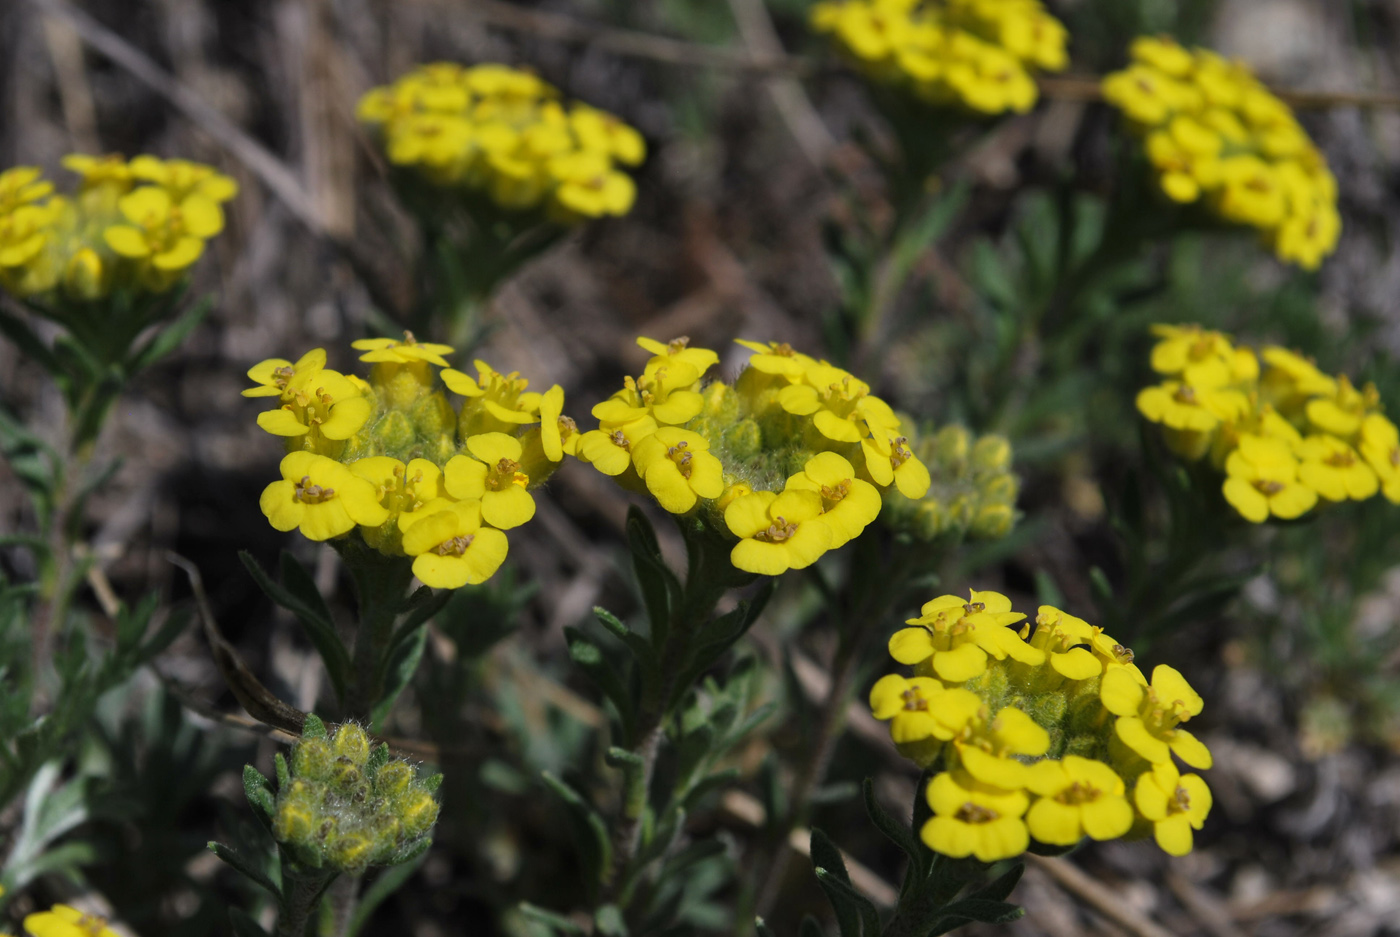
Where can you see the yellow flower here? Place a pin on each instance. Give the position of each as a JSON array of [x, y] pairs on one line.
[[1341, 413], [408, 351], [955, 636], [1148, 717], [401, 489], [1198, 402], [678, 351], [1334, 469], [64, 921], [1062, 637], [23, 234], [665, 392], [1174, 804], [889, 459], [986, 746], [167, 234], [678, 468], [1262, 480], [601, 131], [848, 503], [1147, 95], [558, 433], [1164, 54], [1077, 797], [610, 450], [975, 819], [586, 185], [321, 497], [496, 402], [777, 358], [909, 704], [1292, 375], [492, 475], [1380, 445], [319, 402], [22, 185], [451, 549], [777, 532], [182, 178], [275, 374]]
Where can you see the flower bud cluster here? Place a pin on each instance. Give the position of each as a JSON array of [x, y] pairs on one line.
[[790, 458], [346, 806], [973, 490], [134, 225], [973, 54], [1219, 137], [1286, 435], [498, 133], [1046, 730], [392, 457]]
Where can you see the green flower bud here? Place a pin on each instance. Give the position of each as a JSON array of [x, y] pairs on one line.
[[991, 453], [744, 440], [351, 742], [345, 775], [950, 446], [293, 823], [993, 521], [393, 779], [432, 415], [418, 812], [931, 520], [1000, 489], [393, 432], [350, 852], [312, 758]]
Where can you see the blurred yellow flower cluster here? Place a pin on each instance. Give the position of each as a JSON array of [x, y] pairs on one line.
[[134, 225], [1217, 136], [393, 457], [974, 54], [66, 921], [790, 458], [1048, 731], [1285, 435], [505, 133]]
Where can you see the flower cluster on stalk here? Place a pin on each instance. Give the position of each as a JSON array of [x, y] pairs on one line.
[[136, 225], [1045, 730], [394, 459], [344, 805], [505, 134], [1218, 137], [1286, 435], [972, 493], [979, 55], [790, 458]]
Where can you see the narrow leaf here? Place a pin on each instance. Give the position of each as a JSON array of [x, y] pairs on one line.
[[245, 868]]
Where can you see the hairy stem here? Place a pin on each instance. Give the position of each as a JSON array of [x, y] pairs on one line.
[[300, 896]]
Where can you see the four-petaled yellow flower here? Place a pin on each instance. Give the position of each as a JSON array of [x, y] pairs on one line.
[[1077, 797], [678, 469], [849, 503], [452, 549], [954, 636], [167, 234], [975, 819], [318, 402], [321, 497], [1175, 804], [491, 474], [1380, 445], [65, 921], [1262, 480], [777, 532], [987, 747], [1149, 716], [274, 375]]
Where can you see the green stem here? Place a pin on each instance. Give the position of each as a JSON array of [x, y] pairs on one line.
[[381, 586], [344, 896], [300, 895]]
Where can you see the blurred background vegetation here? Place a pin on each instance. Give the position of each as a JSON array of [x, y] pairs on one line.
[[1291, 633]]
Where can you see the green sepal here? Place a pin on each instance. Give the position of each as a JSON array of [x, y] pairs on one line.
[[245, 868], [258, 790], [314, 728], [590, 832]]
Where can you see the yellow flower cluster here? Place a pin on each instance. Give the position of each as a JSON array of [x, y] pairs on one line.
[[974, 54], [1286, 436], [392, 456], [131, 225], [973, 490], [348, 806], [1048, 732], [790, 458], [1217, 136], [505, 134]]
